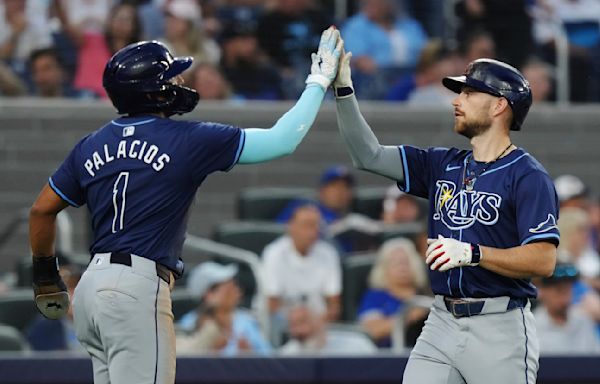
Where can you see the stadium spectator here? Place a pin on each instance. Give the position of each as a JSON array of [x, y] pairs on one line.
[[513, 40], [210, 83], [385, 43], [287, 33], [399, 207], [382, 35], [21, 32], [299, 267], [539, 75], [97, 31], [250, 73], [49, 78], [575, 245], [562, 327], [579, 21], [572, 192], [397, 277], [184, 36], [83, 22], [310, 334], [57, 335], [10, 83], [434, 61], [477, 43], [219, 325], [334, 196], [348, 231]]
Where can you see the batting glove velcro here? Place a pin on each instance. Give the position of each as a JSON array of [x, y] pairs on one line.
[[50, 291], [325, 62], [445, 253]]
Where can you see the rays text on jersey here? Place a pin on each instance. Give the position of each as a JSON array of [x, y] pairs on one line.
[[134, 149], [460, 209]]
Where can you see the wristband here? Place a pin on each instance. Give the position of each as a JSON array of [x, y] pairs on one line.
[[45, 269], [476, 255], [343, 91]]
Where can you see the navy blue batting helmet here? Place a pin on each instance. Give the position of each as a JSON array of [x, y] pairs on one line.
[[138, 79], [498, 79]]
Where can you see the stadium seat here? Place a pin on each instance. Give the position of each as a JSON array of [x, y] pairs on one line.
[[369, 201], [17, 308], [11, 339], [267, 203], [355, 272], [407, 230], [250, 235]]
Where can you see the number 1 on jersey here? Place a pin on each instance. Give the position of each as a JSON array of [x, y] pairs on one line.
[[119, 193]]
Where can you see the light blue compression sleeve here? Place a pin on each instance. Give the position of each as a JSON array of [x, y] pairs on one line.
[[283, 138]]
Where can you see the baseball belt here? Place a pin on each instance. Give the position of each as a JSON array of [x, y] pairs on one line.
[[463, 308], [125, 259]]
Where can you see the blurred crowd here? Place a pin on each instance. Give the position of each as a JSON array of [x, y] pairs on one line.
[[324, 294], [260, 49]]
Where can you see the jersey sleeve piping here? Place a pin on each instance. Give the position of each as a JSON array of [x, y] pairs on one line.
[[61, 194], [239, 150], [405, 169], [541, 236]]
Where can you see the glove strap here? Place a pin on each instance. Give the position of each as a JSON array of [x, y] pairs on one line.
[[476, 255], [45, 269], [342, 92]]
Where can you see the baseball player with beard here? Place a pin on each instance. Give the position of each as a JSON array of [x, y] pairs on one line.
[[492, 226], [138, 175]]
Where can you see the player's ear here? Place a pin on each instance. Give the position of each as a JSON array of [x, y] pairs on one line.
[[500, 106]]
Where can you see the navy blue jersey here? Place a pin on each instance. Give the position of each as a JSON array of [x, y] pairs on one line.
[[511, 203], [138, 177]]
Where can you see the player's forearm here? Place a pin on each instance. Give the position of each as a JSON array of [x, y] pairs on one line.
[[42, 221], [525, 261], [283, 138], [42, 230], [362, 144]]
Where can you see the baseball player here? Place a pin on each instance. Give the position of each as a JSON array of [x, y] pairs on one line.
[[492, 226], [138, 175]]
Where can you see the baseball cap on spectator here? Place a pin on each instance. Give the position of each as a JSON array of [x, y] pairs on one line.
[[184, 9], [234, 29], [208, 274], [337, 172], [569, 187], [562, 272], [392, 194]]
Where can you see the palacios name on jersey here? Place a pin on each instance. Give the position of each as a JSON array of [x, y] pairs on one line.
[[135, 149], [460, 209]]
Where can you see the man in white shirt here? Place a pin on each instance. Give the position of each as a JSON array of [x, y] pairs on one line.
[[300, 268]]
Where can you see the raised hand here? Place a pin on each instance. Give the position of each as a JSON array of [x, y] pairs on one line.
[[344, 75], [325, 62]]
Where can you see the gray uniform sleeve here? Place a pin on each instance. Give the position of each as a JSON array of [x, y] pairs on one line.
[[363, 146]]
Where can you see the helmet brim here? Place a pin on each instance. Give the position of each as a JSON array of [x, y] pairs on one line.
[[454, 83], [178, 66]]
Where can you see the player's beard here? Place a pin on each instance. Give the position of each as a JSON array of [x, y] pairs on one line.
[[473, 127]]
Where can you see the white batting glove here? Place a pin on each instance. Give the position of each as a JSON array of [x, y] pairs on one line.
[[445, 253], [325, 62], [344, 76]]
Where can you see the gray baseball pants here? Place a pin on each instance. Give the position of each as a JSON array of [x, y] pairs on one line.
[[123, 317], [494, 347]]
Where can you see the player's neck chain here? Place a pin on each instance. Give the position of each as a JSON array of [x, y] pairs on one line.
[[471, 175]]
